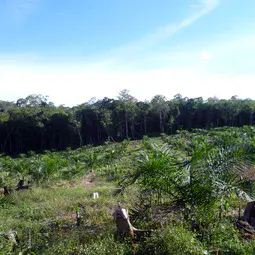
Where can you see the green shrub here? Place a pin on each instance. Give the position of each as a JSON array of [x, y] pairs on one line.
[[226, 237], [173, 240]]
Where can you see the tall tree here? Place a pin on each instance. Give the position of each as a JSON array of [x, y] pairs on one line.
[[128, 104], [144, 109], [160, 106]]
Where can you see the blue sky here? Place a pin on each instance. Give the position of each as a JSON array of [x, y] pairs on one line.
[[75, 50]]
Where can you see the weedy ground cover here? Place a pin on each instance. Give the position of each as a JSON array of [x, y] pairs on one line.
[[190, 188]]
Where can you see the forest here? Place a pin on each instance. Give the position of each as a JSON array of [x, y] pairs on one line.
[[34, 124]]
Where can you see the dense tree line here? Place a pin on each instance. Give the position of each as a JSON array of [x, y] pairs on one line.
[[33, 123]]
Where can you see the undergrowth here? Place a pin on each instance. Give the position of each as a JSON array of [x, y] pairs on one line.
[[185, 187]]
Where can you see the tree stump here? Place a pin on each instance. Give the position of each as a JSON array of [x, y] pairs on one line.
[[124, 226], [21, 185], [91, 176], [249, 213]]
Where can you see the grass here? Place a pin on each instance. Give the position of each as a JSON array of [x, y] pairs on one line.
[[48, 215]]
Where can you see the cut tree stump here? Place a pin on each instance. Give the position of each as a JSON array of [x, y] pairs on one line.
[[4, 191], [249, 213], [124, 226], [91, 176], [21, 186]]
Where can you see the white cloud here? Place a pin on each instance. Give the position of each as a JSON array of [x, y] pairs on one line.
[[77, 85], [75, 82], [206, 55], [146, 42]]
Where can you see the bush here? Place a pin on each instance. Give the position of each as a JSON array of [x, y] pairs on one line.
[[227, 238], [173, 240]]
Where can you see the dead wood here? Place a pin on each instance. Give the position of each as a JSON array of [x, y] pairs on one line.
[[21, 186]]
